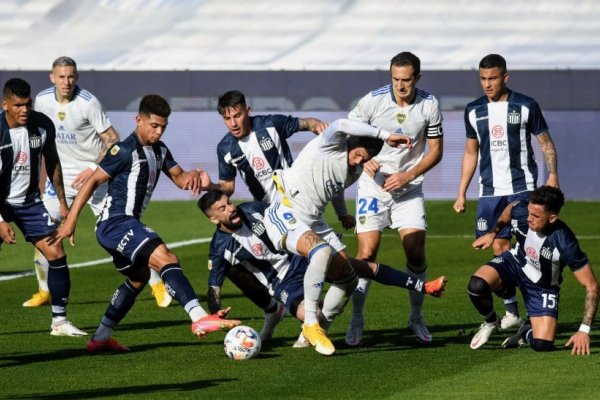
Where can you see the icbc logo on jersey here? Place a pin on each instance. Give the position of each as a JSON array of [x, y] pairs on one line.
[[257, 249], [498, 134], [20, 161], [261, 167], [21, 157], [258, 163], [532, 253]]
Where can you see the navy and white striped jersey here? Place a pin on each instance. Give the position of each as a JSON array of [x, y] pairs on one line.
[[21, 158], [543, 257], [503, 129], [249, 247], [258, 154], [134, 170]]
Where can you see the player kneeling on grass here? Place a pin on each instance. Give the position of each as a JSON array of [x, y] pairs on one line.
[[535, 265], [132, 168]]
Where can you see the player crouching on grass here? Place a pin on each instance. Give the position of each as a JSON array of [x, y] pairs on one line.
[[535, 265], [132, 168]]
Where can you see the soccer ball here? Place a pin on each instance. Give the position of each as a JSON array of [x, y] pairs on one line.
[[242, 343]]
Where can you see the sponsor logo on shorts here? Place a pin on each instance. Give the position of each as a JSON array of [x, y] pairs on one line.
[[496, 260], [482, 224], [115, 149], [284, 296], [514, 118], [124, 241]]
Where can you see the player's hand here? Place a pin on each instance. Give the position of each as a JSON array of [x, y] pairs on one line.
[[460, 205], [398, 140], [396, 181], [371, 167], [484, 242], [205, 181], [581, 344], [348, 221], [552, 180], [7, 234], [192, 181], [65, 230], [81, 178], [320, 127]]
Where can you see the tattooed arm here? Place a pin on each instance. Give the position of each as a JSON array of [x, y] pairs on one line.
[[312, 124], [581, 339], [550, 157]]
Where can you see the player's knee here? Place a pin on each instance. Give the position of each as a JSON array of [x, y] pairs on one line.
[[320, 254], [478, 286], [542, 345], [348, 281]]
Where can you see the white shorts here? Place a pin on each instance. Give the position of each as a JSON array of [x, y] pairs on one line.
[[51, 203], [285, 226], [377, 210]]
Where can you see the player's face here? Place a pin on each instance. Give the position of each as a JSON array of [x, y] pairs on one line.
[[17, 110], [404, 82], [539, 219], [237, 120], [224, 214], [358, 156], [150, 128], [64, 79], [493, 83]]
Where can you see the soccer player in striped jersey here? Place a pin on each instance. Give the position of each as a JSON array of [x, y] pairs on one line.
[[543, 248], [255, 145], [499, 126], [83, 134], [25, 137], [390, 189], [132, 168]]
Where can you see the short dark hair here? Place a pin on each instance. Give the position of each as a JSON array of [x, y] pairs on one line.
[[230, 100], [372, 145], [208, 199], [154, 104], [17, 87], [406, 58], [548, 196], [493, 61]]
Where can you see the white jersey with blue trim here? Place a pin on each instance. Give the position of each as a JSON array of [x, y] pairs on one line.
[[21, 158], [134, 170], [78, 126], [249, 247], [420, 120], [321, 170], [543, 257], [503, 130], [258, 154]]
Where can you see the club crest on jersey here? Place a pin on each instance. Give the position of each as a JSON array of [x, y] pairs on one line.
[[35, 142], [514, 118], [266, 144], [400, 118], [482, 224], [546, 253], [61, 115], [258, 163], [362, 219], [258, 228], [114, 150]]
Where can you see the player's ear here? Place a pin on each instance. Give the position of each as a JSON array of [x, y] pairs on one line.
[[553, 218]]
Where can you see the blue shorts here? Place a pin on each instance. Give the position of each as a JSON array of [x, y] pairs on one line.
[[128, 241], [490, 208], [539, 301], [290, 290], [33, 220]]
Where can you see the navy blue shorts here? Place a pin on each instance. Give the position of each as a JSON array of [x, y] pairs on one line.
[[128, 241], [490, 208], [290, 290], [539, 301], [33, 220]]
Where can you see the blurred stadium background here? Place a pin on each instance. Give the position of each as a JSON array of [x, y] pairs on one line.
[[317, 58]]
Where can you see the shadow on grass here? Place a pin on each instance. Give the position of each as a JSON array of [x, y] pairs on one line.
[[168, 389]]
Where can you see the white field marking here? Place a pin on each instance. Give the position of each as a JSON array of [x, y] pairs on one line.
[[106, 260], [183, 243]]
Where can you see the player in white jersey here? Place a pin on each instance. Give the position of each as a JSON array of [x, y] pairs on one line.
[[83, 134], [390, 188], [498, 127], [326, 166]]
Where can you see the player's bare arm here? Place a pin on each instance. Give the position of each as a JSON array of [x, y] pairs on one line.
[[191, 180], [430, 160], [54, 171], [581, 339], [549, 151], [312, 124], [468, 166]]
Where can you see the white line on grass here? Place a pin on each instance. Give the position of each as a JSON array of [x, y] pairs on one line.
[[183, 243]]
